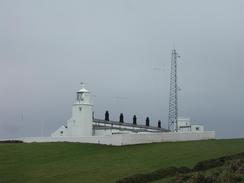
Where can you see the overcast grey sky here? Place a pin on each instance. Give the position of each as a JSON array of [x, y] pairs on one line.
[[121, 50]]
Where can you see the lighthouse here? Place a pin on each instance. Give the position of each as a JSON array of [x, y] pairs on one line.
[[80, 124], [82, 113]]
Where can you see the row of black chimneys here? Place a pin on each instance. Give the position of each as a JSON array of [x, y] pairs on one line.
[[121, 119]]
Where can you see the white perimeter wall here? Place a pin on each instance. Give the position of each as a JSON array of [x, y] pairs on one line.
[[127, 139]]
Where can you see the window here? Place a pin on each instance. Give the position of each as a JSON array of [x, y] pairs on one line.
[[80, 96], [80, 108], [197, 128], [61, 132]]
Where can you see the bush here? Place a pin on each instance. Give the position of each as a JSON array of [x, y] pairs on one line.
[[213, 163], [231, 170], [155, 175], [11, 141], [207, 164]]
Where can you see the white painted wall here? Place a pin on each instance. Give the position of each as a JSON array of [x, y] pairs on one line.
[[127, 139]]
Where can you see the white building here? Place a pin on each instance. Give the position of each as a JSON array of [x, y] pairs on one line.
[[184, 125], [83, 128], [82, 124]]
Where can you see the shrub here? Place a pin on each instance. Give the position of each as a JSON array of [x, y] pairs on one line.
[[230, 170], [11, 141], [155, 175], [207, 164], [213, 163]]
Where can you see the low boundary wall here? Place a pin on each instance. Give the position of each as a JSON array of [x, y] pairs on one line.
[[127, 139]]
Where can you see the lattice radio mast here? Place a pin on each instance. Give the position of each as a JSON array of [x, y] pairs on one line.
[[173, 96]]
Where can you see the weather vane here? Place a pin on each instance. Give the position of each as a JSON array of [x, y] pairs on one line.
[[82, 84]]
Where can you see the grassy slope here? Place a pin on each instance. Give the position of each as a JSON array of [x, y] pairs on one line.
[[73, 162]]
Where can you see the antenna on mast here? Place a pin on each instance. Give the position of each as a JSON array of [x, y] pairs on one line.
[[173, 96]]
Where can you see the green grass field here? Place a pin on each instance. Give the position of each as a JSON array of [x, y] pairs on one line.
[[74, 162]]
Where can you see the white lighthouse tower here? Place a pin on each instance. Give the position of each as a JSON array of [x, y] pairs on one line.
[[80, 124]]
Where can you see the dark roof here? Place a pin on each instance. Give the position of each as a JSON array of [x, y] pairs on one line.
[[129, 125]]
